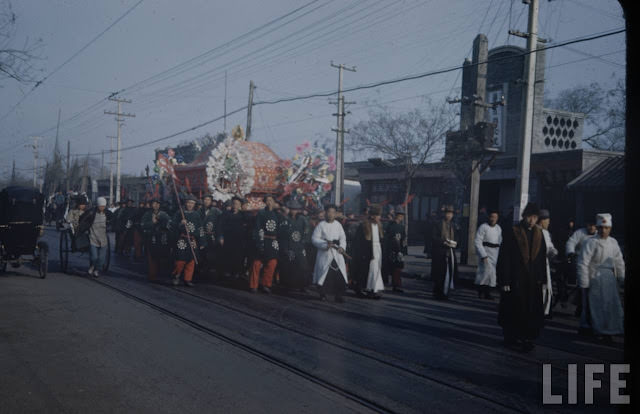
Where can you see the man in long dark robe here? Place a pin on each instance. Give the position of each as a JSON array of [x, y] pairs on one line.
[[395, 250], [210, 216], [444, 266], [521, 274], [232, 239], [156, 227], [267, 246], [295, 267], [187, 231]]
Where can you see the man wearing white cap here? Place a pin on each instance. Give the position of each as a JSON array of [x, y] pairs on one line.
[[600, 268], [96, 221]]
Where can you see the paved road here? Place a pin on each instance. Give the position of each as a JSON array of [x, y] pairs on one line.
[[120, 344]]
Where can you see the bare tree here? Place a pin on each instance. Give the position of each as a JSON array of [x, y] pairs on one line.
[[604, 112], [15, 62], [409, 139]]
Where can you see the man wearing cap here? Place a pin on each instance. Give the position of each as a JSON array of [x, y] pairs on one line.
[[187, 231], [232, 239], [444, 265], [600, 269], [395, 249], [96, 221], [295, 265], [210, 216], [118, 224], [521, 273], [572, 249], [156, 226], [330, 272], [544, 219], [125, 221], [487, 243], [265, 236], [367, 255]]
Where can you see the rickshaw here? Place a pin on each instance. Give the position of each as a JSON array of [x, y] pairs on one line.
[[71, 242], [21, 225]]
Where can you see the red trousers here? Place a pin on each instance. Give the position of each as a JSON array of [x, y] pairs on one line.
[[267, 275], [396, 279], [187, 267]]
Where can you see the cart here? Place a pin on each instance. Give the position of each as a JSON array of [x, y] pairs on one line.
[[21, 225]]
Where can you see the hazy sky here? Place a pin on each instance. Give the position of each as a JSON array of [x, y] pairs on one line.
[[385, 39]]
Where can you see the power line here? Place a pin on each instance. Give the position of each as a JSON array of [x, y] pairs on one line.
[[63, 64], [376, 84], [193, 60]]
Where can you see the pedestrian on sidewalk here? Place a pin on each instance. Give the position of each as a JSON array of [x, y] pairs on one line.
[[330, 273], [444, 265], [96, 221], [395, 249], [487, 243], [521, 275], [600, 269]]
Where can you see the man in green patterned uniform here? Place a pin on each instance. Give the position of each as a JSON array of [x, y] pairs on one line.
[[187, 231]]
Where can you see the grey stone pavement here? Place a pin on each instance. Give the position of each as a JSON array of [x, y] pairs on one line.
[[69, 343]]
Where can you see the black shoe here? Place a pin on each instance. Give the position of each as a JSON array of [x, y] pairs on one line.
[[487, 295], [323, 297], [339, 299], [398, 290], [360, 294], [188, 283], [266, 290]]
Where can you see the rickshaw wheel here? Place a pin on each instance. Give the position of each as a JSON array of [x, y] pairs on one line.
[[107, 256], [64, 251]]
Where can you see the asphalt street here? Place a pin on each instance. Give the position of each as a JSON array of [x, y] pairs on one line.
[[69, 343]]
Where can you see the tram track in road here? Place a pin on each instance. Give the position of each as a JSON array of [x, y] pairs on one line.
[[297, 370], [365, 402], [454, 383], [535, 362]]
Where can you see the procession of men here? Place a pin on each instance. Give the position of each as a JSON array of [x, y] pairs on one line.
[[292, 248]]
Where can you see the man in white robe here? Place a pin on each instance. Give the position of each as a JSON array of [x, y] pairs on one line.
[[572, 250], [544, 219], [487, 243], [330, 272], [600, 271]]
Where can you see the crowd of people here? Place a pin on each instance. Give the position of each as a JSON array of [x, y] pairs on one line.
[[289, 246], [518, 260], [283, 244]]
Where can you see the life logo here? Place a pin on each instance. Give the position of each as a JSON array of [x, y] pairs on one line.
[[591, 376]]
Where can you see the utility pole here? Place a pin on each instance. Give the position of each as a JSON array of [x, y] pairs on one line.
[[119, 120], [524, 158], [252, 86], [68, 165], [111, 168], [339, 187], [480, 54], [224, 130], [35, 146], [13, 173]]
